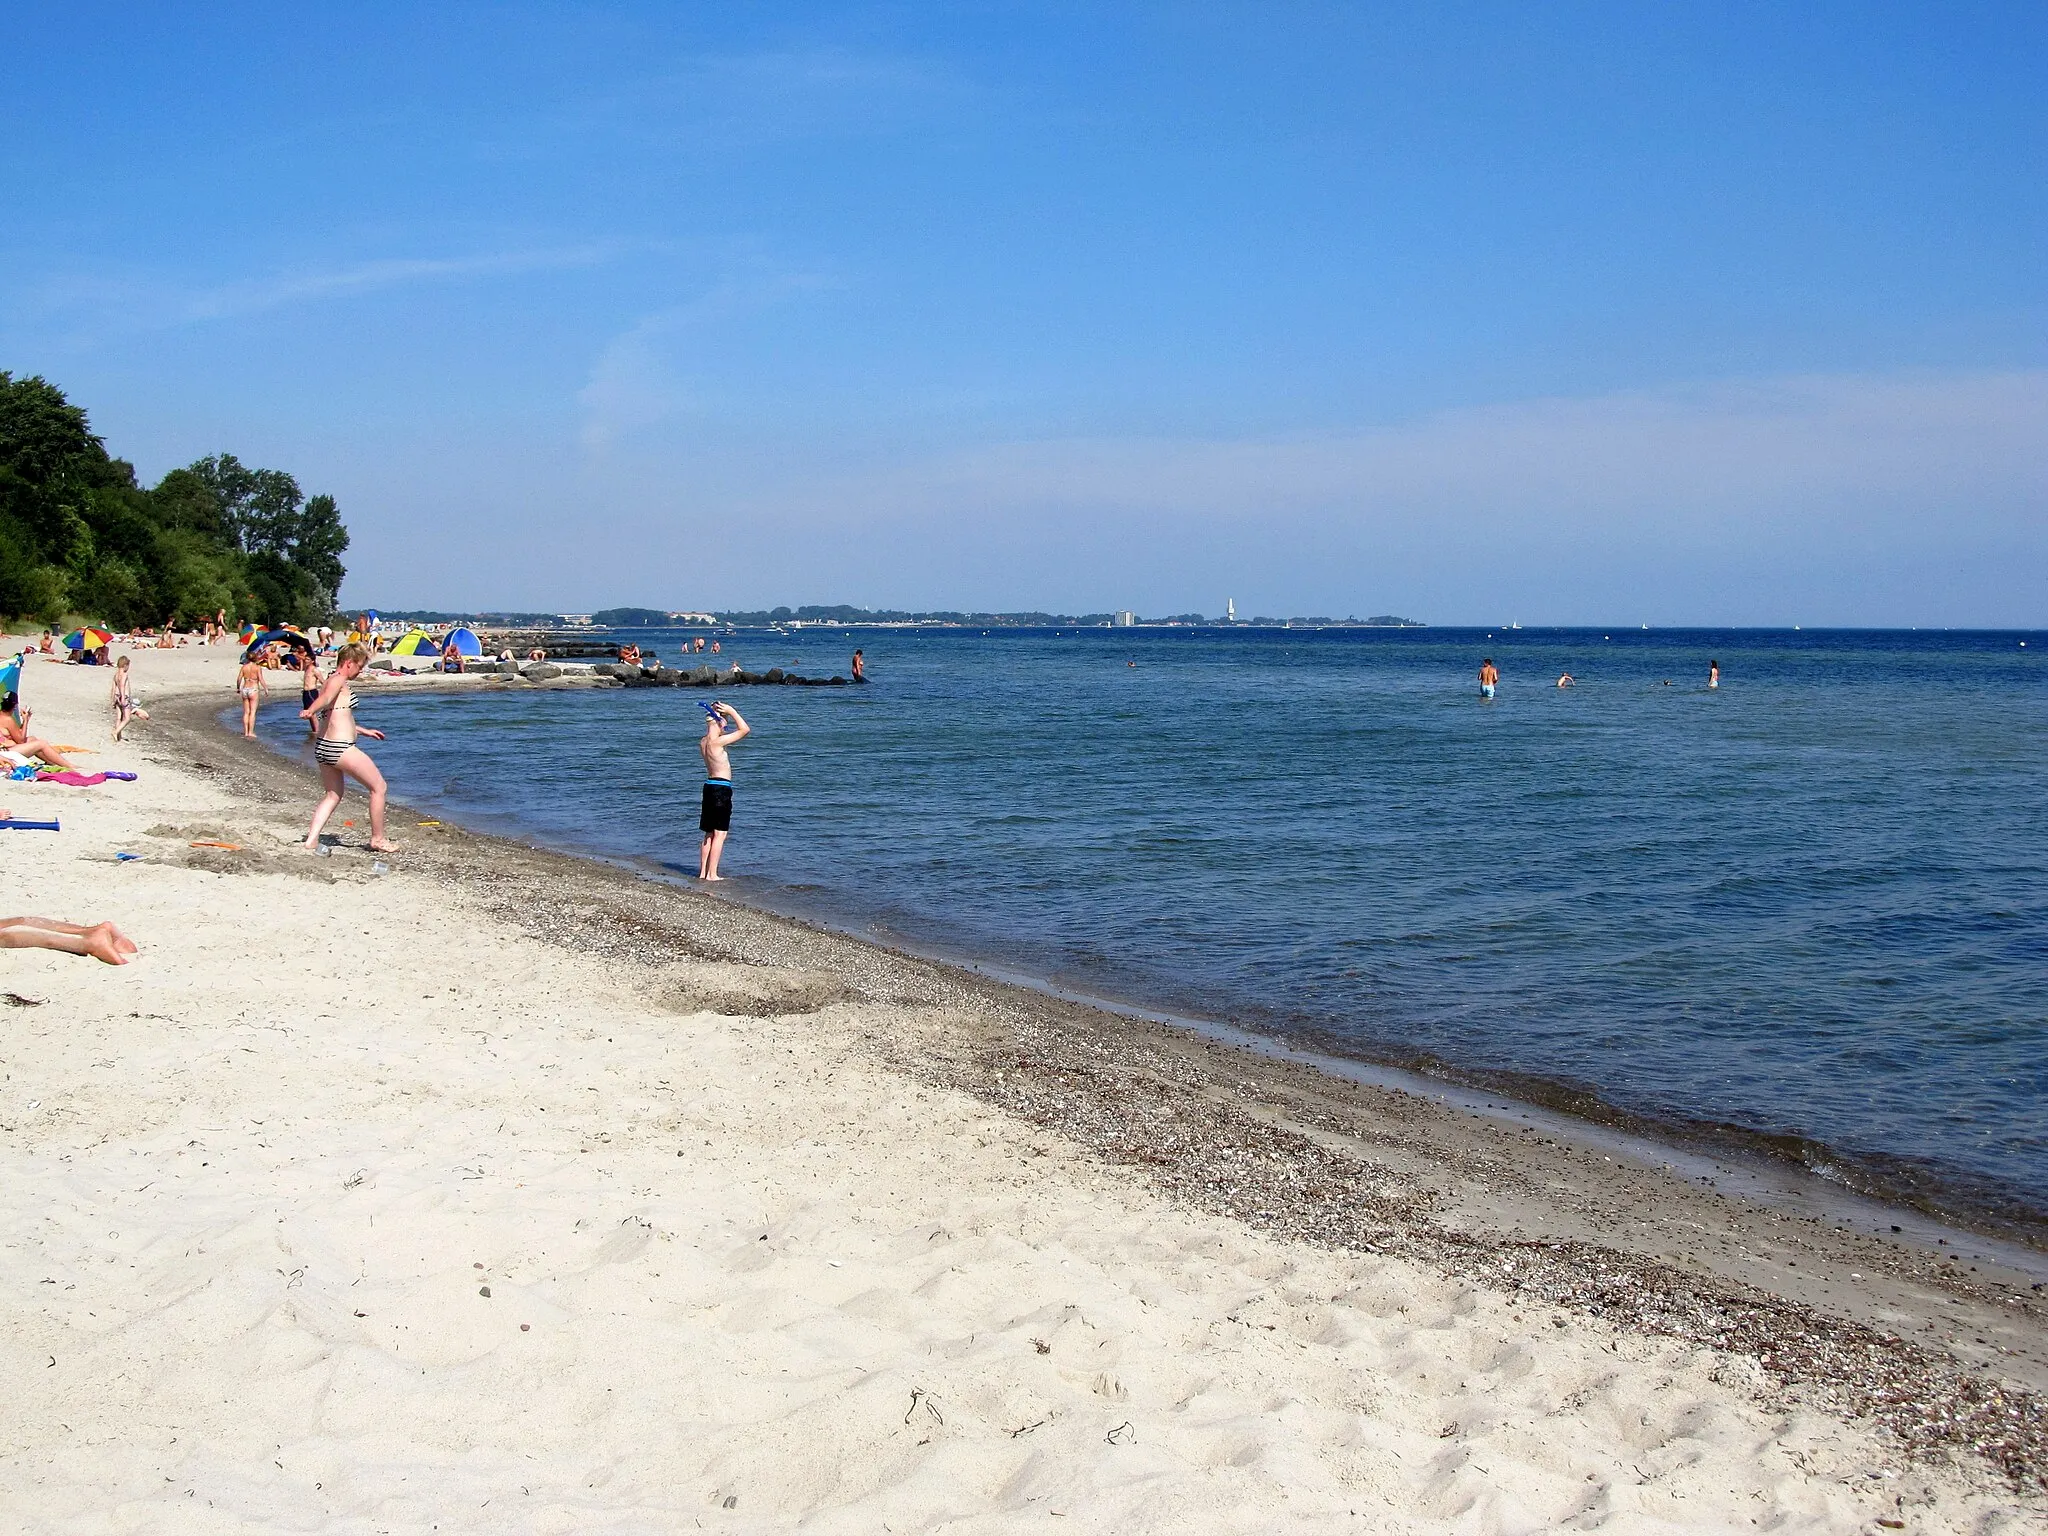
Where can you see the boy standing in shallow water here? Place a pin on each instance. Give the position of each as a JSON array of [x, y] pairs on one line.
[[715, 820]]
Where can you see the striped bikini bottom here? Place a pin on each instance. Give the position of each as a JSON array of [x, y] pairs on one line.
[[330, 752]]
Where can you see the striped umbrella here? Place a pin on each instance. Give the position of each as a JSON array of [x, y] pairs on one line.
[[88, 639]]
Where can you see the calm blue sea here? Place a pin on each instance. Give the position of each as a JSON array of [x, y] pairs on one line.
[[1812, 905]]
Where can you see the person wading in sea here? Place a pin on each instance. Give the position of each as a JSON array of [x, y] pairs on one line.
[[722, 727], [1489, 678], [250, 684]]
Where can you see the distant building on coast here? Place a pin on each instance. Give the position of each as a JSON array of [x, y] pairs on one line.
[[1230, 610], [1125, 619]]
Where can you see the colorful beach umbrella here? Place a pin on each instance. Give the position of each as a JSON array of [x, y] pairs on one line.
[[270, 637], [10, 676], [88, 639]]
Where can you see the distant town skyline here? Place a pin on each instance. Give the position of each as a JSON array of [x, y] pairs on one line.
[[1680, 315]]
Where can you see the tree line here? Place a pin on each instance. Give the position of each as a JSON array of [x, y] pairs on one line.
[[79, 537]]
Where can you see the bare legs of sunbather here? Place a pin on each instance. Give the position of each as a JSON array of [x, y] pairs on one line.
[[103, 941]]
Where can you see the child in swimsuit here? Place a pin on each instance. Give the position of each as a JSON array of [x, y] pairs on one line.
[[125, 708], [309, 689], [250, 685]]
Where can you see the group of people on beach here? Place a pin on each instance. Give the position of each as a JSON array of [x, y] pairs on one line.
[[329, 705], [20, 749]]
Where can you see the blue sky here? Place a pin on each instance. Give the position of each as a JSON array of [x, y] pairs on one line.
[[1607, 313]]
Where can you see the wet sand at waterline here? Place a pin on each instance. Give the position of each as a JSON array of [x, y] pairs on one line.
[[509, 1191]]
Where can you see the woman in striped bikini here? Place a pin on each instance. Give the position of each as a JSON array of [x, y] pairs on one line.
[[339, 755]]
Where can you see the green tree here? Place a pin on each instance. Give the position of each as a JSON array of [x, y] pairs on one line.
[[77, 531], [318, 546]]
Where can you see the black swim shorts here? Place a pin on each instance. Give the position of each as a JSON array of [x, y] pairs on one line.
[[717, 813]]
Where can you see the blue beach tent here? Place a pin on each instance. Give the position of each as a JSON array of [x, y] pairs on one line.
[[465, 642]]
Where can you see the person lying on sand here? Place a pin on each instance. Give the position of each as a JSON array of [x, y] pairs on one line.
[[103, 941]]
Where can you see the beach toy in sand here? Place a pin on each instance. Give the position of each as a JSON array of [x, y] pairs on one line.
[[126, 858], [30, 826], [231, 847]]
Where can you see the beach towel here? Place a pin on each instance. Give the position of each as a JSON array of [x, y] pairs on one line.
[[29, 826], [76, 779]]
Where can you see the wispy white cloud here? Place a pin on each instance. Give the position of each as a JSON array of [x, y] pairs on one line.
[[91, 305], [251, 295], [643, 376], [1807, 444], [1856, 498]]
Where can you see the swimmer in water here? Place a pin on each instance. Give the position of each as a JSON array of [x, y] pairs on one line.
[[1489, 678], [1713, 674], [1566, 681]]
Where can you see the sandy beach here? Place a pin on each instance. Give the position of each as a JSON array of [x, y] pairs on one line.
[[499, 1190]]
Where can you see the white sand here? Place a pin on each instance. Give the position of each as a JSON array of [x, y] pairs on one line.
[[740, 1277]]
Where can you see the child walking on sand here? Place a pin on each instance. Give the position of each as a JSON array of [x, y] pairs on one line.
[[124, 699]]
